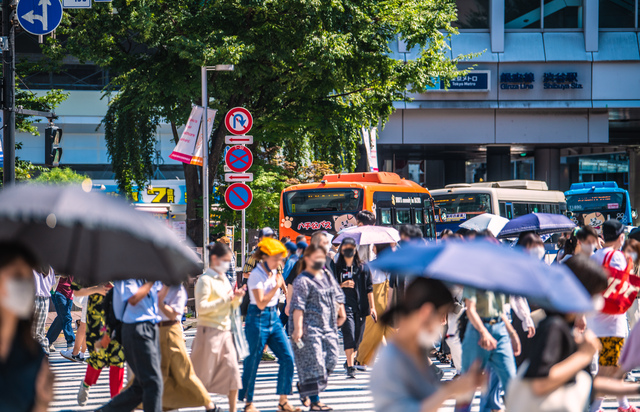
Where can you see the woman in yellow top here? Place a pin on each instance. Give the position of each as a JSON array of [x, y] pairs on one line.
[[213, 353]]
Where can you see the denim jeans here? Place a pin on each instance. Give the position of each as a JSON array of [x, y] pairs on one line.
[[63, 321], [263, 327], [501, 361]]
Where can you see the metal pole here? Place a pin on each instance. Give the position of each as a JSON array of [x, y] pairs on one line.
[[9, 115], [205, 170], [244, 239]]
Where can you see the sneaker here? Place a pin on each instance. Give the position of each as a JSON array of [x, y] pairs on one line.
[[266, 356], [361, 368], [83, 394], [52, 348], [351, 372], [629, 409], [67, 354]]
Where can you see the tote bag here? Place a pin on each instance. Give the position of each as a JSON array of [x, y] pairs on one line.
[[622, 290], [239, 339], [571, 397]]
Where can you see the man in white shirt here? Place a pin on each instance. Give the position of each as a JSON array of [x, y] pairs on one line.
[[610, 329], [44, 283]]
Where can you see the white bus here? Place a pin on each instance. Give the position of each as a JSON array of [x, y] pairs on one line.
[[509, 198]]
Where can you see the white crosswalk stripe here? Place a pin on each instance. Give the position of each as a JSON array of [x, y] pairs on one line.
[[342, 394]]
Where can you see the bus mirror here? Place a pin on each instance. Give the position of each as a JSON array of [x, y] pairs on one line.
[[634, 213]]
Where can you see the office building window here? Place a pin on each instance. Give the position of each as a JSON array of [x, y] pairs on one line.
[[562, 14], [617, 14], [543, 14], [522, 14], [472, 14]]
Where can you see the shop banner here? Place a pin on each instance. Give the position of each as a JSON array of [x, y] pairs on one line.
[[189, 148], [370, 137]]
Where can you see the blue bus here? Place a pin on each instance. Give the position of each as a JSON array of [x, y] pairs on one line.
[[592, 203]]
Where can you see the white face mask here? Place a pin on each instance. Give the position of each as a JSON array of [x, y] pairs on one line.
[[19, 297], [538, 252], [588, 248], [222, 267], [633, 256], [427, 339]]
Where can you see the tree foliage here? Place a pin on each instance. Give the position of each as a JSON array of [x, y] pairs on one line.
[[311, 72], [61, 176]]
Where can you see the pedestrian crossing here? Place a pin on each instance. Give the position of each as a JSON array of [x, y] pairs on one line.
[[342, 394]]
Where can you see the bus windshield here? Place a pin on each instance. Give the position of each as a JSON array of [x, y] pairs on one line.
[[595, 202], [301, 202], [464, 203]]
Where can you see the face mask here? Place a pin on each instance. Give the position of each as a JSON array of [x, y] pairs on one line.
[[327, 247], [427, 339], [538, 252], [588, 248], [19, 297], [633, 256], [349, 253], [222, 267], [317, 265]]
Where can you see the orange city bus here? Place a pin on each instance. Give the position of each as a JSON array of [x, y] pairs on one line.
[[333, 203]]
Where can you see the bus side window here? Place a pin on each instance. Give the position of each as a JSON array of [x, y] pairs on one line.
[[418, 214], [503, 209], [385, 216], [520, 209], [403, 216]]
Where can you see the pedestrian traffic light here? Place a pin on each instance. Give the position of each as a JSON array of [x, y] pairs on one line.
[[52, 149]]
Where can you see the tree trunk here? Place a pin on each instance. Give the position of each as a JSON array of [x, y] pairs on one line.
[[194, 192]]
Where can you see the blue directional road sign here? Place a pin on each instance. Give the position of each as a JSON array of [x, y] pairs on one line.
[[39, 16]]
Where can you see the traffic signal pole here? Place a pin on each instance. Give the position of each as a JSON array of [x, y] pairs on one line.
[[9, 93]]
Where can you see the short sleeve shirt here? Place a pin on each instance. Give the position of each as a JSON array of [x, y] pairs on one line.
[[144, 311], [398, 384], [552, 344], [488, 304], [259, 279], [601, 324], [177, 300]]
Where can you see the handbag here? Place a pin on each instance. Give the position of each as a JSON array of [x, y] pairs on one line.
[[571, 397], [622, 290], [239, 339]]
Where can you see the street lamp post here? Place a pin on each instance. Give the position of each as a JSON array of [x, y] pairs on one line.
[[205, 155]]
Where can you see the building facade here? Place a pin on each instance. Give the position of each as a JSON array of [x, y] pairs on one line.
[[553, 95]]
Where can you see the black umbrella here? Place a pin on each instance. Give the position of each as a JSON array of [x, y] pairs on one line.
[[92, 236]]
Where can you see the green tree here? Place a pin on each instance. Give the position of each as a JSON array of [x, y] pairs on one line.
[[311, 72], [62, 176], [26, 99]]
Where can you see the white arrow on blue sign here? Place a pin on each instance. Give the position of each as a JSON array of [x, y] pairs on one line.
[[39, 16]]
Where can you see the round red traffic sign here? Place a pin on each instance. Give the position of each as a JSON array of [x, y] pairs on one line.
[[238, 121], [238, 196], [238, 158]]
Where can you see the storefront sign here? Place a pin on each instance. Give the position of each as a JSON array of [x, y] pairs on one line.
[[562, 81], [475, 81], [513, 81]]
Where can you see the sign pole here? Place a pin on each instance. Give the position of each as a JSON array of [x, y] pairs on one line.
[[244, 239], [204, 127], [9, 74]]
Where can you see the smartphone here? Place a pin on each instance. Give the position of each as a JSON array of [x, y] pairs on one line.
[[375, 318], [300, 344]]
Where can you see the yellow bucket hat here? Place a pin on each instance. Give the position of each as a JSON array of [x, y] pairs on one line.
[[271, 246]]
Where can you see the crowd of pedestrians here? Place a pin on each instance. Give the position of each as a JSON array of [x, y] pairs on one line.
[[299, 299]]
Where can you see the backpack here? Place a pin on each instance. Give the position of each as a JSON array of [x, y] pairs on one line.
[[622, 290], [114, 325]]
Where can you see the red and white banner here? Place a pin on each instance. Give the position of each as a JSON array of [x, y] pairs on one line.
[[370, 137], [189, 148]]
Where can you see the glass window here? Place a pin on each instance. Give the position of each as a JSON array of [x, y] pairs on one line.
[[403, 216], [503, 209], [472, 14], [418, 216], [534, 208], [596, 202], [522, 14], [520, 209], [312, 201], [617, 14], [385, 216], [470, 203], [563, 14]]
